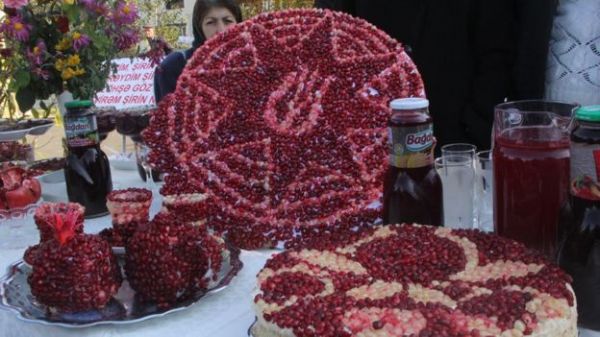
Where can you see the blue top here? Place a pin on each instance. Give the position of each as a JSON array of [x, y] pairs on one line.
[[167, 73]]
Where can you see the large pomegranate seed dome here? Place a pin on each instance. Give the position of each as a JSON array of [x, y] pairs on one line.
[[410, 280], [280, 121]]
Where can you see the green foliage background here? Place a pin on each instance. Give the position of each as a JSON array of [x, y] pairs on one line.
[[251, 8]]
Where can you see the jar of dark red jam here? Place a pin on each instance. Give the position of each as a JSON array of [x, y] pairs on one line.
[[579, 253]]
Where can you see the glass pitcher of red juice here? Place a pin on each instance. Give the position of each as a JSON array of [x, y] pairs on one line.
[[531, 171]]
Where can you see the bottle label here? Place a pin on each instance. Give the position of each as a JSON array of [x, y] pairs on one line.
[[411, 147], [585, 170], [81, 131]]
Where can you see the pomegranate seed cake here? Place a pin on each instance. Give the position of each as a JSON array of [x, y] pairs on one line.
[[411, 280], [280, 123]]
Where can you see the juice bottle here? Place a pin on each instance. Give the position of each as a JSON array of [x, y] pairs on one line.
[[579, 253], [87, 171], [412, 186]]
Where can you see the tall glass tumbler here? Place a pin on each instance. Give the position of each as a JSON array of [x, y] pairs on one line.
[[458, 177], [484, 191], [460, 149], [463, 149]]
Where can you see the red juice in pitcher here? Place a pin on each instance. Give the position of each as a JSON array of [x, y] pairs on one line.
[[531, 172]]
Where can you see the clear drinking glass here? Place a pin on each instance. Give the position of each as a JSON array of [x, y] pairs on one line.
[[458, 177], [468, 150], [141, 153], [484, 205], [461, 149]]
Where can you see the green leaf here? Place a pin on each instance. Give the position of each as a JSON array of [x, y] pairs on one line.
[[25, 99], [22, 79], [72, 12], [35, 113]]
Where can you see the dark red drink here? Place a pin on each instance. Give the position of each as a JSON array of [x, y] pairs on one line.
[[87, 171], [412, 186], [531, 179], [579, 253]]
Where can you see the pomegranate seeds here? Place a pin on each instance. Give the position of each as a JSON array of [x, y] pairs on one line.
[[280, 122], [129, 210], [45, 217], [170, 260], [73, 272], [410, 280]]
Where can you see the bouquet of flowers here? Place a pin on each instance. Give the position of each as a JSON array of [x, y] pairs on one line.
[[57, 45]]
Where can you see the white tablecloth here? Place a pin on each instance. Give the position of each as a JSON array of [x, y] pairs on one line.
[[225, 314]]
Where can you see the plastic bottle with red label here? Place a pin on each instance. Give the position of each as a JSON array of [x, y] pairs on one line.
[[579, 251], [412, 187]]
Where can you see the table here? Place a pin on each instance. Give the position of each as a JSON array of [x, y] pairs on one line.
[[225, 314]]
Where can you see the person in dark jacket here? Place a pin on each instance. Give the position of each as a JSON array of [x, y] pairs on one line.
[[209, 18], [472, 54]]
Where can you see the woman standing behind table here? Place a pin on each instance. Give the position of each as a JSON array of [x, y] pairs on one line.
[[210, 17]]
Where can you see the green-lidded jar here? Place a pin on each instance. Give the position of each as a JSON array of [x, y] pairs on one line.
[[579, 250], [590, 113], [87, 170], [81, 125], [585, 146]]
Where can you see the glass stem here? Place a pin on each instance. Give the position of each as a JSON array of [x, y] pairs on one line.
[[149, 180]]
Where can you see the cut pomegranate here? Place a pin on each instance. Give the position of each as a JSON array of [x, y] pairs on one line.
[[18, 188]]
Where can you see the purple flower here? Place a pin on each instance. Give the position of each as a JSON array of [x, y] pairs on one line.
[[35, 56], [16, 28], [127, 38], [80, 41], [41, 73], [125, 13], [94, 6], [15, 3]]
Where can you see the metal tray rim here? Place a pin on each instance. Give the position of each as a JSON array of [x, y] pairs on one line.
[[236, 266]]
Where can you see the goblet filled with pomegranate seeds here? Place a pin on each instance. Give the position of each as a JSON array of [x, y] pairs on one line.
[[129, 209]]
